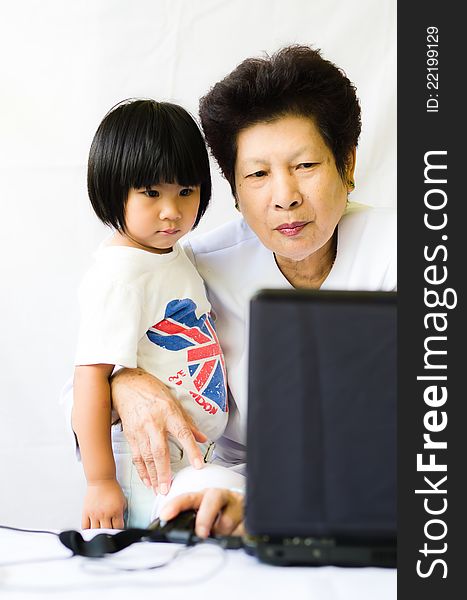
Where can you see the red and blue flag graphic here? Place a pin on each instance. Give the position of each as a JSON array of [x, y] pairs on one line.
[[181, 329]]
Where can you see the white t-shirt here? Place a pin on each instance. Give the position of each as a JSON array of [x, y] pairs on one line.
[[234, 265], [146, 310]]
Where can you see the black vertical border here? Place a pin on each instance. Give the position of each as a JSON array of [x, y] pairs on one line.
[[419, 132]]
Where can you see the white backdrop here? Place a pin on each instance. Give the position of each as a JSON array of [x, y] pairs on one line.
[[63, 65]]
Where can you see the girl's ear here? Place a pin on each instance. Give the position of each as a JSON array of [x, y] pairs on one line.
[[350, 169]]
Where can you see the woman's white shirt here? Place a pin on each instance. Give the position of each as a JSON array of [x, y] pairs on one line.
[[234, 265]]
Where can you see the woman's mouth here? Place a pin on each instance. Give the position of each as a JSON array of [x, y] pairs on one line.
[[291, 229]]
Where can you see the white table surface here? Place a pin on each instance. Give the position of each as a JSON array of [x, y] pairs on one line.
[[202, 572]]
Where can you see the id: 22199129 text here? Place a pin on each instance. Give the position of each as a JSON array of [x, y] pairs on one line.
[[432, 71]]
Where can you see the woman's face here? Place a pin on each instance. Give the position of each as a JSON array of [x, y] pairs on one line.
[[288, 186]]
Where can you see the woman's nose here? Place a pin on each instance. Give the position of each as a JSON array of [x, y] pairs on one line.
[[286, 193]]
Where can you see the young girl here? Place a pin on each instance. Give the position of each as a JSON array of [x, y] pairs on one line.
[[142, 302]]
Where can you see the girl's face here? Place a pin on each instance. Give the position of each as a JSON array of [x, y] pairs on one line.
[[158, 216], [288, 186]]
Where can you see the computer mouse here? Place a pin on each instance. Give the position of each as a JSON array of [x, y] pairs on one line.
[[180, 529]]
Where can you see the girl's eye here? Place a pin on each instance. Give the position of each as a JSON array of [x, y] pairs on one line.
[[151, 193], [257, 174], [186, 191]]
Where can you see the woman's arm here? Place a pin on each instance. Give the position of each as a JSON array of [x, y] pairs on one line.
[[149, 413], [104, 502]]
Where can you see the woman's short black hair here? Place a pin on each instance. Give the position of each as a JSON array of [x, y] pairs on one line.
[[296, 80], [140, 143]]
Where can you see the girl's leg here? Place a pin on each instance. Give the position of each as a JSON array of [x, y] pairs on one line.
[[140, 498]]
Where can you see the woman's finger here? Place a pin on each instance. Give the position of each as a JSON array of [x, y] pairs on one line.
[[198, 435], [149, 465], [160, 457], [149, 412], [219, 510], [139, 463], [180, 426], [239, 530], [214, 500], [180, 503], [231, 516]]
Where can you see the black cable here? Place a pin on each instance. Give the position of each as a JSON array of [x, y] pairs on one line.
[[182, 550], [102, 562], [106, 563], [28, 530], [28, 561], [118, 582]]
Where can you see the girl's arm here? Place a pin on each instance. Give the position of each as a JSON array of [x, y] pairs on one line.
[[91, 418]]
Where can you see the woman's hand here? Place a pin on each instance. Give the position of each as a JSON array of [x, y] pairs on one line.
[[220, 511], [149, 413], [104, 505]]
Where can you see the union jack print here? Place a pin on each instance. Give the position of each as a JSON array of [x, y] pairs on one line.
[[182, 330]]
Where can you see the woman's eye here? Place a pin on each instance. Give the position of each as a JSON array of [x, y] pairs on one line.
[[305, 165], [257, 174], [186, 191], [151, 193]]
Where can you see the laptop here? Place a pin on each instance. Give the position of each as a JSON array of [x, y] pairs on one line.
[[321, 431]]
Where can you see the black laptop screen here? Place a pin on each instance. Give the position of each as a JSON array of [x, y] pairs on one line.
[[321, 434]]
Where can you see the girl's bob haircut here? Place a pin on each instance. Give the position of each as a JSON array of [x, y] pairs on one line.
[[141, 143]]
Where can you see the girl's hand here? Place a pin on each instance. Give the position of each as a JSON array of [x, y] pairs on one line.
[[149, 413], [220, 511], [104, 505]]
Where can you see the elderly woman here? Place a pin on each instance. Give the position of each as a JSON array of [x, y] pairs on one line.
[[284, 131]]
